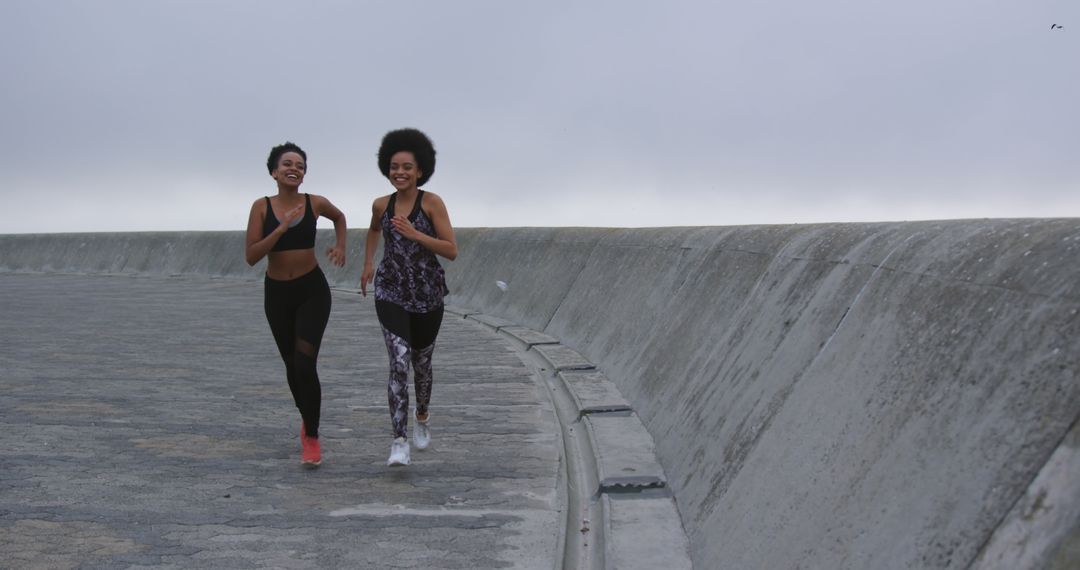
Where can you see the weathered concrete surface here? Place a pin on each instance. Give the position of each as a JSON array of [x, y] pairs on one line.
[[145, 422], [827, 396], [1027, 537], [835, 396]]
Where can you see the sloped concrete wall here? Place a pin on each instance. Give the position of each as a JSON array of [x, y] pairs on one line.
[[823, 396], [828, 396]]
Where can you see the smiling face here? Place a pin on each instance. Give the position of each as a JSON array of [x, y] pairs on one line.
[[403, 172], [290, 170]]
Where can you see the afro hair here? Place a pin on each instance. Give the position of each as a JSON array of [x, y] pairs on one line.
[[277, 151], [408, 140]]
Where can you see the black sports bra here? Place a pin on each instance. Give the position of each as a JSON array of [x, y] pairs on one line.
[[300, 236]]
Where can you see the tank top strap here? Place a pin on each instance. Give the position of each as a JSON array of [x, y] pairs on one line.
[[269, 209], [390, 204], [416, 206]]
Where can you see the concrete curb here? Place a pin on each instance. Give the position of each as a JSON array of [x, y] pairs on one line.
[[628, 490], [594, 392]]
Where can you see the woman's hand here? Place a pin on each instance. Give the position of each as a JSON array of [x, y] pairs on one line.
[[405, 228], [365, 278], [336, 255], [291, 217], [323, 207], [371, 242]]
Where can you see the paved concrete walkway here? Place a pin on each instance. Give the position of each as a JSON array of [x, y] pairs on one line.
[[146, 423]]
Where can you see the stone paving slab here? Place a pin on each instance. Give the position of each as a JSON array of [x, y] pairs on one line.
[[643, 532], [594, 392], [624, 450], [562, 358], [527, 336], [146, 423], [490, 320]]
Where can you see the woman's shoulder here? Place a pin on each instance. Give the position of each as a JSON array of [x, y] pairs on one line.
[[432, 203], [433, 199], [381, 202], [320, 205]]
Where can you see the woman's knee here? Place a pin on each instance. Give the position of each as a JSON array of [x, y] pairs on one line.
[[305, 366]]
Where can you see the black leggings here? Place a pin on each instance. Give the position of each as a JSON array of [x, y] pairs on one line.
[[410, 340], [298, 311]]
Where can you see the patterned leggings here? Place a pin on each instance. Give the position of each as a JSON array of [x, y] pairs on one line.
[[410, 340]]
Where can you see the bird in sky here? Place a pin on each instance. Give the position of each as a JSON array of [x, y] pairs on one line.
[[1052, 26]]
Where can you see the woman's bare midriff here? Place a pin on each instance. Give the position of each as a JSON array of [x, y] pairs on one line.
[[286, 265]]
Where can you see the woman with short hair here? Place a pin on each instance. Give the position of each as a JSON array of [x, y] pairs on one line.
[[296, 294]]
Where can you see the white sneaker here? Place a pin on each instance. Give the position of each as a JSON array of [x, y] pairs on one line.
[[421, 433], [399, 453]]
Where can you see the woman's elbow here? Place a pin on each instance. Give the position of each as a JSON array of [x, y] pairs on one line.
[[452, 254]]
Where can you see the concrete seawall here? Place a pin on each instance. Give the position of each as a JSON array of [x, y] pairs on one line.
[[897, 395]]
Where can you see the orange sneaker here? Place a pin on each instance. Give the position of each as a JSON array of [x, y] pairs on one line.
[[311, 456]]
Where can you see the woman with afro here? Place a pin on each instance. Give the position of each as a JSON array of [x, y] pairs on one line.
[[410, 283]]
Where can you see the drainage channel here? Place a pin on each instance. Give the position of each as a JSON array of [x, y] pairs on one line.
[[613, 490], [583, 540]]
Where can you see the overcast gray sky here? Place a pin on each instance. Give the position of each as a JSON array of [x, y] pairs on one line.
[[122, 115]]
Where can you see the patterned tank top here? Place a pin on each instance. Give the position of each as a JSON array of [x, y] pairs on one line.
[[409, 274]]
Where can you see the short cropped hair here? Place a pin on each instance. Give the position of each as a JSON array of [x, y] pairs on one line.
[[277, 151], [408, 140]]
